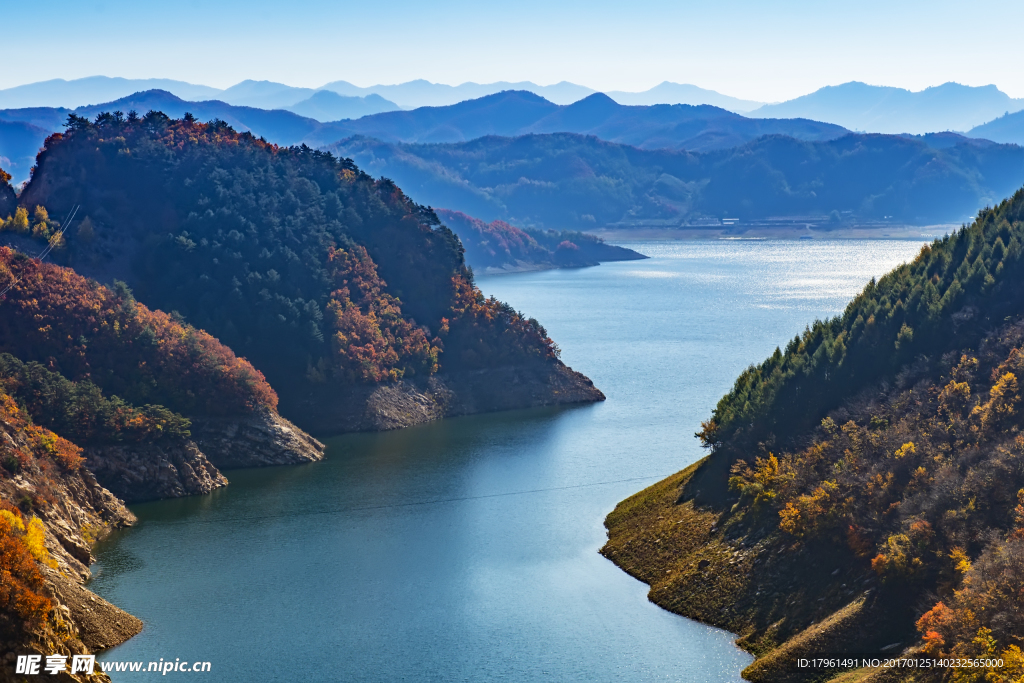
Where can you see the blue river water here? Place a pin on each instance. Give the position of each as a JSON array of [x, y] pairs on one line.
[[466, 550]]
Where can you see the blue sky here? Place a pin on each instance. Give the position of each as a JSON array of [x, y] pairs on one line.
[[768, 51]]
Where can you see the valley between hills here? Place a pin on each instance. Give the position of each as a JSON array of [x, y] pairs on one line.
[[212, 296]]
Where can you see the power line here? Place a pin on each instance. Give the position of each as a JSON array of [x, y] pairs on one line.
[[438, 501], [49, 247]]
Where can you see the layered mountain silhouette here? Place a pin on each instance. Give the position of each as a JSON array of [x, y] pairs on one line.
[[22, 131], [567, 181], [1008, 129], [263, 94], [409, 95], [94, 89], [516, 112], [857, 106], [422, 93], [876, 109], [518, 157], [509, 113], [19, 143], [326, 105], [680, 93]]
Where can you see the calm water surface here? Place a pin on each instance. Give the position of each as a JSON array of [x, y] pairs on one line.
[[467, 550]]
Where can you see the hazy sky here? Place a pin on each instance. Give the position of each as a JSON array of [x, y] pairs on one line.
[[768, 51]]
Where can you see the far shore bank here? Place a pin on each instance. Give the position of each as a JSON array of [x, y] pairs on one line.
[[758, 231]]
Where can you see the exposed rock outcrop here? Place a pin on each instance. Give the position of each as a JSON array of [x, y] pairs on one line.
[[512, 387], [100, 624], [75, 511], [257, 440], [370, 408], [137, 472]]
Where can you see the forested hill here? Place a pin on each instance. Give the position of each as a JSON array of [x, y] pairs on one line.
[[571, 181], [330, 282], [880, 450], [498, 246], [22, 131], [101, 396], [87, 332], [952, 296]]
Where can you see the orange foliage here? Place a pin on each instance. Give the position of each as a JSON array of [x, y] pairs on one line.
[[60, 450], [486, 332], [372, 341], [84, 330], [20, 578], [43, 442], [937, 617]]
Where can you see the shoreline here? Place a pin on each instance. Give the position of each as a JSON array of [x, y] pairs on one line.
[[767, 231], [699, 567]]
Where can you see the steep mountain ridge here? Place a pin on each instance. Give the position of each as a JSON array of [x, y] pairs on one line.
[[45, 548]]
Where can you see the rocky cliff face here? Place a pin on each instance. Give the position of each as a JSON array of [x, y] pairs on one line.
[[138, 472], [75, 511], [149, 471], [512, 387], [402, 404], [78, 508], [258, 440]]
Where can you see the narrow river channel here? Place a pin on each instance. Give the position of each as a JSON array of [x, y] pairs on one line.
[[467, 550]]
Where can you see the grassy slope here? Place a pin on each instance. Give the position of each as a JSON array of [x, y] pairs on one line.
[[897, 528], [782, 605]]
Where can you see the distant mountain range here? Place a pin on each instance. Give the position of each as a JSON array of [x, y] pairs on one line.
[[421, 93], [424, 93], [1008, 129], [270, 95], [565, 181], [19, 143], [326, 105], [854, 105], [517, 157], [877, 109], [677, 93], [508, 113], [513, 113], [94, 89]]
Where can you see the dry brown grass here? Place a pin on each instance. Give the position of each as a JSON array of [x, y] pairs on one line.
[[785, 601]]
